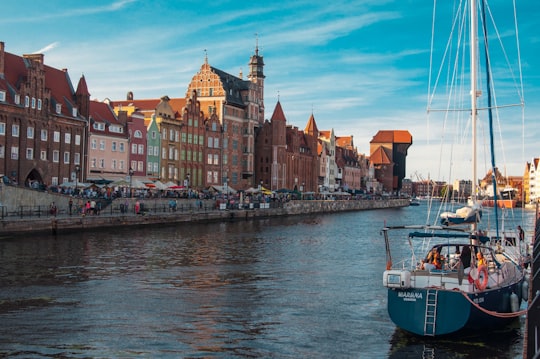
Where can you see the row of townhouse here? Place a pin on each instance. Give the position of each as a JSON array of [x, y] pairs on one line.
[[531, 181], [51, 133]]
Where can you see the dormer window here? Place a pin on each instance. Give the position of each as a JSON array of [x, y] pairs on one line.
[[74, 112], [26, 101], [99, 126], [17, 99], [2, 96], [58, 108]]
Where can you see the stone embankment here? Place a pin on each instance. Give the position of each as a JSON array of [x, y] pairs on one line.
[[157, 212]]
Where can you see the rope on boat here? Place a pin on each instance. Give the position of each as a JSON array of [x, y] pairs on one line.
[[492, 313]]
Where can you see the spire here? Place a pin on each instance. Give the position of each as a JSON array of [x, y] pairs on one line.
[[82, 88], [311, 126], [278, 114]]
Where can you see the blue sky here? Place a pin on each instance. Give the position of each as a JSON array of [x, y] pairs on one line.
[[359, 66]]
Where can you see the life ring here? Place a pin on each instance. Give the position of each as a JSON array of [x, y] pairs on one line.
[[482, 281]]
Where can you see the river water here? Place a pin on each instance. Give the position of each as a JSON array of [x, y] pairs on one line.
[[296, 287]]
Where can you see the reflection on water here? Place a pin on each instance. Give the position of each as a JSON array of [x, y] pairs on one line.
[[504, 343], [298, 287]]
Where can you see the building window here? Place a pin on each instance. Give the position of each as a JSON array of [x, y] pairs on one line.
[[93, 144], [137, 134], [2, 96], [33, 102], [56, 156], [113, 146], [58, 108], [56, 136], [122, 146], [14, 153], [77, 158], [113, 164], [141, 149], [134, 148], [78, 140], [39, 104], [17, 99], [67, 138], [93, 163], [29, 153], [102, 145], [209, 159], [43, 155], [102, 163], [2, 128], [30, 132], [150, 150], [66, 157], [15, 130], [44, 135], [26, 101]]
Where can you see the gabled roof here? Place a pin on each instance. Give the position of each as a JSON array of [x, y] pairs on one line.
[[149, 105], [233, 87], [57, 81], [345, 141], [102, 112]]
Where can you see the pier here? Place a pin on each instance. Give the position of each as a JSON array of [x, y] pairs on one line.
[[532, 327]]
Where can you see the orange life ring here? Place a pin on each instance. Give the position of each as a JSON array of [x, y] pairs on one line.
[[481, 285]]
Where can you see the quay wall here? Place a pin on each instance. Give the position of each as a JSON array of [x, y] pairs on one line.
[[158, 213]]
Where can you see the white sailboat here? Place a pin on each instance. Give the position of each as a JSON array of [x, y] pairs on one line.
[[466, 277]]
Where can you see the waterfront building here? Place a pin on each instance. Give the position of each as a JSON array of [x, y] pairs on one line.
[[388, 152], [328, 168], [108, 145], [534, 181], [137, 140], [42, 121], [153, 146], [239, 105]]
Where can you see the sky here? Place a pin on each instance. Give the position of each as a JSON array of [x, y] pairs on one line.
[[357, 66]]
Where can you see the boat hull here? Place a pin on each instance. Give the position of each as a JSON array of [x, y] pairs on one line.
[[501, 203], [454, 313]]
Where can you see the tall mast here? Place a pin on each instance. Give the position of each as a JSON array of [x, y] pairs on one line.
[[474, 91]]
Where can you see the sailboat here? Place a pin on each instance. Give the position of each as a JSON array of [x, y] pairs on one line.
[[454, 275]]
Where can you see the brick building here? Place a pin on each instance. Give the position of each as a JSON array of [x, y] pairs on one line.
[[42, 121]]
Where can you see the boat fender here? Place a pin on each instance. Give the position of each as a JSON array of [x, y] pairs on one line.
[[525, 290], [481, 280], [514, 302]]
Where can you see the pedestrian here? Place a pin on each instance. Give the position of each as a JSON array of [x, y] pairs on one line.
[[70, 205], [53, 209], [521, 234]]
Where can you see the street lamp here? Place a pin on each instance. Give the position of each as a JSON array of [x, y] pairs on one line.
[[77, 170], [187, 183], [131, 172]]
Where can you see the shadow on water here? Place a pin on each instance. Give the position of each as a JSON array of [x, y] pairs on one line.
[[495, 344]]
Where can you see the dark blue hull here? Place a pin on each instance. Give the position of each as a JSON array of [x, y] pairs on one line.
[[452, 311]]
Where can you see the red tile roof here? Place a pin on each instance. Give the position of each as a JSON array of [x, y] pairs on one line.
[[393, 136], [278, 114]]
